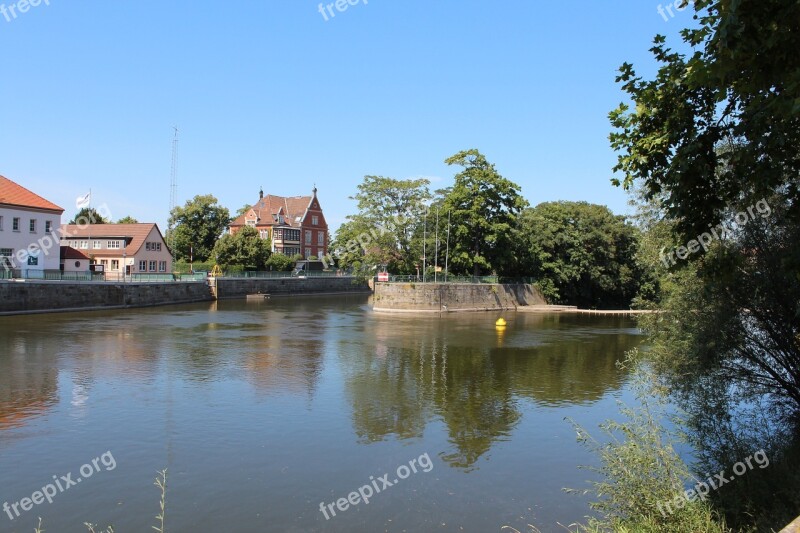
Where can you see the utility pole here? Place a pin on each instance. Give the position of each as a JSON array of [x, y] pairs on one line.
[[447, 253], [436, 249], [424, 243]]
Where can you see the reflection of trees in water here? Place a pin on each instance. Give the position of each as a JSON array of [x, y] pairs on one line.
[[403, 373]]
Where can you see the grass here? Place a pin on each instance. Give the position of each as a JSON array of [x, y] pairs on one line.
[[161, 483]]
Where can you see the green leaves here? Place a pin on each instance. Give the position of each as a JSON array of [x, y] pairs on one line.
[[245, 248], [196, 227]]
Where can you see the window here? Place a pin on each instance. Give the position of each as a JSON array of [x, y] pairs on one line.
[[152, 266], [251, 223], [15, 224], [33, 260], [152, 246], [281, 220], [292, 235], [321, 238], [1, 223], [277, 234], [48, 226], [32, 225], [162, 266], [84, 245], [308, 253], [315, 220], [308, 236], [104, 262], [97, 245], [114, 245], [142, 266], [264, 234], [115, 264]]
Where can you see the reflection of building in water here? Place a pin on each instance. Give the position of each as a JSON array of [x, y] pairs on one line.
[[278, 365], [28, 385]]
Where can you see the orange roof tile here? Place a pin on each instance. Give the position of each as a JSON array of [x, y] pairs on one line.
[[16, 195], [135, 234], [68, 252], [269, 205]]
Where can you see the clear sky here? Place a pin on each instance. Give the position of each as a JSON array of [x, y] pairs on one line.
[[270, 93]]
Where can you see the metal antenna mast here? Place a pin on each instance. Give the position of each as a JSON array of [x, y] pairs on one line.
[[173, 187]]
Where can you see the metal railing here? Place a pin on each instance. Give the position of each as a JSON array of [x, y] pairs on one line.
[[110, 277], [441, 278]]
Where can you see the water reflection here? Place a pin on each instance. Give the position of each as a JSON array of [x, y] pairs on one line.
[[458, 369], [28, 380]]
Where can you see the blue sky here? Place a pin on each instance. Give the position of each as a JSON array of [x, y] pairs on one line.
[[271, 94]]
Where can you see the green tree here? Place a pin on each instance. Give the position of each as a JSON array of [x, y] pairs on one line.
[[484, 208], [385, 229], [127, 220], [244, 248], [280, 263], [581, 254], [241, 211], [90, 215], [196, 226]]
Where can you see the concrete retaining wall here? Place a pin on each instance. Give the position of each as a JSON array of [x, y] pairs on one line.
[[224, 288], [42, 296], [445, 297]]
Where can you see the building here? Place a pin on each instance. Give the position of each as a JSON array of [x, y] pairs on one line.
[[295, 225], [27, 230], [73, 260], [139, 248]]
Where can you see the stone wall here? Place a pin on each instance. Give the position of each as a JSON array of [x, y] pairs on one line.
[[445, 297], [42, 296], [224, 288]]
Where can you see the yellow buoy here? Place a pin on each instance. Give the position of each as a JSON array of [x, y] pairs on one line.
[[501, 323]]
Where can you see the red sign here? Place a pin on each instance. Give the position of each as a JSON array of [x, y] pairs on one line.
[[383, 276]]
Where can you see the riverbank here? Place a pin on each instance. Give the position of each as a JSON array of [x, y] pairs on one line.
[[18, 297]]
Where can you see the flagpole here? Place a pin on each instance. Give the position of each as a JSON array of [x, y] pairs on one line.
[[447, 253]]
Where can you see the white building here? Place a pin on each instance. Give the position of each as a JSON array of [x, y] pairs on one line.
[[28, 226]]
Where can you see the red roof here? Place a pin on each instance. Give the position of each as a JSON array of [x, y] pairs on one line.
[[134, 234], [68, 252], [16, 195], [268, 208]]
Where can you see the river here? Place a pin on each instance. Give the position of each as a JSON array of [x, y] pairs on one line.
[[287, 415]]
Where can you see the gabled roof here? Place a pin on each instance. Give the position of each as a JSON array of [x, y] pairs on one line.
[[68, 252], [16, 195], [294, 208], [134, 234]]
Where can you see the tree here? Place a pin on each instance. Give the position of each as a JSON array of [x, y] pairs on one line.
[[241, 211], [581, 254], [280, 263], [738, 89], [90, 215], [385, 230], [127, 220], [244, 248], [484, 208], [196, 227]]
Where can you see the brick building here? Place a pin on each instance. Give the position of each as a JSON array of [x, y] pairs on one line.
[[295, 224]]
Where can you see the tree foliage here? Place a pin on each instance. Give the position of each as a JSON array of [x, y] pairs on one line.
[[196, 226], [484, 207], [280, 263], [90, 215], [387, 228], [581, 254], [127, 220], [244, 248]]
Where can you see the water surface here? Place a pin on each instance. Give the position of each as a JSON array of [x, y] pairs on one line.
[[263, 411]]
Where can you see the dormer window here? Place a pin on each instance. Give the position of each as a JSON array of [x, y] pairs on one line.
[[315, 220], [251, 223], [281, 219]]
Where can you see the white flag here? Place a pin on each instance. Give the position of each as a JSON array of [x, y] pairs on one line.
[[83, 201]]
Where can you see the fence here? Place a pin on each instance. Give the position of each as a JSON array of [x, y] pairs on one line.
[[441, 278], [57, 275]]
